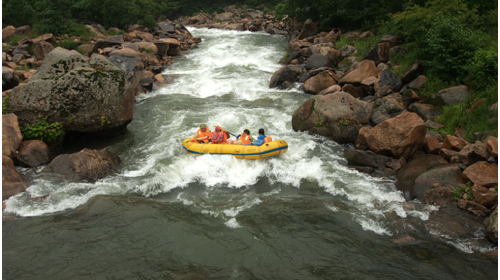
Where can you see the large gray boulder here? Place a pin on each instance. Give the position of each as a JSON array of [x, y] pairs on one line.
[[86, 95], [287, 73]]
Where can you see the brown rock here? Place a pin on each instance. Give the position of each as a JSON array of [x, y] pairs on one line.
[[418, 82], [453, 96], [473, 208], [33, 153], [355, 91], [447, 154], [12, 182], [8, 33], [49, 38], [392, 39], [454, 143], [492, 145], [159, 78], [335, 56], [174, 46], [492, 228], [41, 49], [321, 81], [482, 173], [397, 137], [383, 52], [12, 133], [396, 164], [148, 46], [413, 72], [365, 69], [439, 196], [445, 175], [484, 197], [309, 29], [332, 89], [332, 37], [473, 153], [85, 165], [432, 145]]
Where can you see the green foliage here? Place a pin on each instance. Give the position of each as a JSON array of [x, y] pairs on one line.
[[5, 105], [42, 130], [459, 191], [68, 44], [482, 67], [147, 50]]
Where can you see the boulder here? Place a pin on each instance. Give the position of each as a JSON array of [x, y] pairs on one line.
[[406, 176], [392, 39], [49, 38], [332, 36], [335, 56], [387, 78], [452, 96], [444, 175], [492, 145], [388, 107], [23, 30], [130, 61], [447, 154], [11, 135], [397, 137], [41, 49], [357, 92], [418, 82], [432, 145], [379, 54], [332, 108], [162, 48], [112, 41], [318, 60], [320, 82], [492, 228], [365, 158], [484, 196], [473, 207], [8, 79], [224, 17], [166, 26], [174, 46], [93, 93], [28, 74], [293, 51], [425, 111], [287, 73], [8, 33], [148, 47], [454, 143], [309, 29], [86, 48], [12, 182], [473, 153], [348, 50], [85, 165], [412, 73], [332, 89], [365, 69], [33, 153], [482, 173]]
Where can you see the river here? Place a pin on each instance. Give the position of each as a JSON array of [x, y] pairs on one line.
[[171, 215]]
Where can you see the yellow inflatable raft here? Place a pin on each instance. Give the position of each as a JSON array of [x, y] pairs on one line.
[[239, 151]]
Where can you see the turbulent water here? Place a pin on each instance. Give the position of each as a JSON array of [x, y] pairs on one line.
[[171, 215]]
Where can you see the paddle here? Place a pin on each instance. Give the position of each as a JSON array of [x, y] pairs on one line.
[[226, 131], [195, 139]]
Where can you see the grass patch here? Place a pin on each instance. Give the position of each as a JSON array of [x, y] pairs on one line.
[[5, 105], [68, 44], [364, 46], [147, 50]]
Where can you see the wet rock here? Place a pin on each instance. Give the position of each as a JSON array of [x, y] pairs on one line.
[[366, 158], [397, 137], [288, 73], [62, 87], [362, 169], [451, 223], [85, 165], [492, 228], [482, 173], [454, 143], [33, 153], [11, 135], [406, 176], [444, 175], [12, 182], [425, 111], [365, 69], [492, 145], [320, 82]]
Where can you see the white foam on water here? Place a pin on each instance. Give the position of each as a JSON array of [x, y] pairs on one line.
[[232, 223]]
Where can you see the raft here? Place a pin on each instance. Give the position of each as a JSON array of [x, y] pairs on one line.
[[269, 149]]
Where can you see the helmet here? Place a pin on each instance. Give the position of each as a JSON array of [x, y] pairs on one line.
[[203, 125]]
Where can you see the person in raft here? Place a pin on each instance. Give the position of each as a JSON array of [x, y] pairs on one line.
[[204, 133], [244, 138], [262, 138], [219, 136]]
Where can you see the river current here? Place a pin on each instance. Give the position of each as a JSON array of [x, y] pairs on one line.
[[171, 215]]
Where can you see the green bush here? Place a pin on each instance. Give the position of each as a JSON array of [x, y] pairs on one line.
[[68, 44], [5, 105], [42, 130]]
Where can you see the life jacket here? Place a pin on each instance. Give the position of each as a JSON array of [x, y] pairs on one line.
[[245, 139], [226, 136], [200, 134], [268, 139]]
